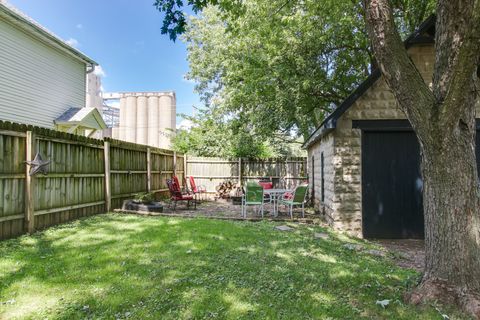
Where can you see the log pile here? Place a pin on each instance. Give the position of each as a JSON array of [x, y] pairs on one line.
[[227, 189]]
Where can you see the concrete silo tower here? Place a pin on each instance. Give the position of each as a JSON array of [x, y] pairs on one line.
[[153, 125], [146, 117], [129, 124], [142, 120]]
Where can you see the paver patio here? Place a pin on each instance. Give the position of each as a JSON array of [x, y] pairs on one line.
[[223, 208]]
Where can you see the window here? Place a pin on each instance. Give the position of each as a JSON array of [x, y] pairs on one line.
[[322, 176], [312, 170]]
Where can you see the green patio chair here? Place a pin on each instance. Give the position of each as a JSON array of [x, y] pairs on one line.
[[253, 196], [298, 199]]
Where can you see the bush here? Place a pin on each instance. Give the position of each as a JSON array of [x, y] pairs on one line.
[[144, 197]]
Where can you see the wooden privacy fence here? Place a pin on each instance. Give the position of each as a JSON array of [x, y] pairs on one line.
[[85, 176], [284, 172]]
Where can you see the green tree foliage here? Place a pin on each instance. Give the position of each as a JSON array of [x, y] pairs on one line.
[[209, 136], [271, 68], [279, 66], [409, 14]]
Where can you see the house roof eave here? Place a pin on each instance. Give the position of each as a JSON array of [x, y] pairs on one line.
[[27, 24]]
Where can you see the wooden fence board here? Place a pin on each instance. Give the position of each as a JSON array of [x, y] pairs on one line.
[[75, 185], [210, 172]]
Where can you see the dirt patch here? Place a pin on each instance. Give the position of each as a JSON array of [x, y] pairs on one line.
[[408, 253]]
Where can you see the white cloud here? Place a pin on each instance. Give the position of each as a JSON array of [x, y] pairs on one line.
[[72, 42], [79, 26], [185, 124], [99, 72]]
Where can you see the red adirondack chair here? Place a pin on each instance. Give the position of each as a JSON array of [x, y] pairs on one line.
[[196, 189], [177, 195]]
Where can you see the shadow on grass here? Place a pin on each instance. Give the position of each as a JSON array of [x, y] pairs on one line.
[[116, 266]]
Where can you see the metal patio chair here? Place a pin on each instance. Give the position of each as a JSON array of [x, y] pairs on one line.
[[200, 190], [298, 199], [177, 195], [253, 196]]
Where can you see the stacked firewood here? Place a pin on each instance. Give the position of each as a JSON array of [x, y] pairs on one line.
[[228, 189]]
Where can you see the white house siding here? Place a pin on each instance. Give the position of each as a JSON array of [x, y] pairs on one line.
[[37, 81]]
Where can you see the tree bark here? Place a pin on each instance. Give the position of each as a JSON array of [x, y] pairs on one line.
[[443, 118]]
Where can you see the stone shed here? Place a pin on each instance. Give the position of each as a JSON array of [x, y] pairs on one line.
[[364, 159]]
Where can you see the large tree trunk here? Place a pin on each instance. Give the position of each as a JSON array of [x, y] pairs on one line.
[[443, 117], [451, 212], [451, 208]]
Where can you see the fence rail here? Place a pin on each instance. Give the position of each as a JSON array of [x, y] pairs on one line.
[[209, 172], [85, 176], [89, 176]]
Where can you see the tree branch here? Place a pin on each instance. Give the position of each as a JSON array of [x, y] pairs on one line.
[[457, 43], [398, 70]]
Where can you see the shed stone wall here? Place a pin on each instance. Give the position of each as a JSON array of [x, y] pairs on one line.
[[377, 103], [325, 146]]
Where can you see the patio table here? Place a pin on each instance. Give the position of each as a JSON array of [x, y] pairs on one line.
[[275, 194]]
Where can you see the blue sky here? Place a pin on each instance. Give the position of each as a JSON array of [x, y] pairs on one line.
[[124, 37]]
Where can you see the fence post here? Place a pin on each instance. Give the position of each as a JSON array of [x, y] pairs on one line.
[[185, 165], [174, 163], [240, 175], [149, 170], [29, 184], [108, 187]]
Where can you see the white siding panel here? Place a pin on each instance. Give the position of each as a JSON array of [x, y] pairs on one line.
[[37, 82]]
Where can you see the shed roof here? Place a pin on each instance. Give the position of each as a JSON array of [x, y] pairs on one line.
[[423, 35], [27, 24], [85, 117]]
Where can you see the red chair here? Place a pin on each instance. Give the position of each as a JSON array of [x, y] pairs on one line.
[[177, 195], [196, 189], [185, 189], [266, 185]]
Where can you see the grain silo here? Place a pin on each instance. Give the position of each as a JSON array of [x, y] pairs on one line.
[[146, 117]]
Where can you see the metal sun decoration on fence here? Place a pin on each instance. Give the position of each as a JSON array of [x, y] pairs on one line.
[[38, 165]]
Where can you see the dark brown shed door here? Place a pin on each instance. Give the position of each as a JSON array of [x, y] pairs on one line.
[[391, 185]]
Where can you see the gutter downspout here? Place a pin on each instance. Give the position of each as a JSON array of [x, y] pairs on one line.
[[92, 68]]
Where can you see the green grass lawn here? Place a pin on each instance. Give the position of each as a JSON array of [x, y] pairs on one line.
[[123, 266]]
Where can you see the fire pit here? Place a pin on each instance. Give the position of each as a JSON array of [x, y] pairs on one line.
[[143, 202], [138, 206]]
